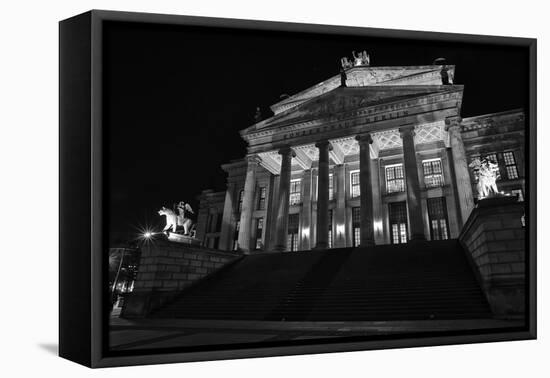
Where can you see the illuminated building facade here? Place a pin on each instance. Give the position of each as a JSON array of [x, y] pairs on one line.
[[378, 156]]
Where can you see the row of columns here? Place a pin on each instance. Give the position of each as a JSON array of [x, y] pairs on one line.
[[366, 190]]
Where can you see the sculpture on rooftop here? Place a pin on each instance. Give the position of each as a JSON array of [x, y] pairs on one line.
[[444, 75], [486, 172], [184, 218], [360, 59], [171, 219], [258, 115], [343, 77]]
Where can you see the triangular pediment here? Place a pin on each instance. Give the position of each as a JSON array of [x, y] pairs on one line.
[[344, 99], [362, 76]]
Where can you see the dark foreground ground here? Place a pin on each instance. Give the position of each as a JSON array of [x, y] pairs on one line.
[[169, 333]]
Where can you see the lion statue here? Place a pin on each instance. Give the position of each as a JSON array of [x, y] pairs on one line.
[[171, 219], [184, 219]]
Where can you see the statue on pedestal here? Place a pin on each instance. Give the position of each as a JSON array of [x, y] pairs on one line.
[[486, 173], [184, 218]]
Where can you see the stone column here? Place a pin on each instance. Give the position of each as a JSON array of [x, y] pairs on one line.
[[271, 228], [365, 188], [414, 206], [461, 171], [305, 232], [281, 223], [322, 195], [339, 232], [248, 204], [226, 232], [378, 225]]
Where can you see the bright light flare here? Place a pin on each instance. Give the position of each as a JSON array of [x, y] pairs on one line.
[[146, 234]]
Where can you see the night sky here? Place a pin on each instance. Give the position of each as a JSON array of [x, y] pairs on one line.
[[176, 97]]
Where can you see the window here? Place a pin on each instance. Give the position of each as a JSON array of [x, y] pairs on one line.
[[398, 222], [259, 232], [209, 222], [491, 157], [437, 215], [355, 187], [519, 193], [356, 225], [218, 222], [295, 191], [241, 195], [236, 235], [433, 173], [510, 165], [330, 187], [395, 181], [292, 236], [261, 198], [330, 228]]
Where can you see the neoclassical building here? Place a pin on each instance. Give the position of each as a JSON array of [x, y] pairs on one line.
[[378, 156]]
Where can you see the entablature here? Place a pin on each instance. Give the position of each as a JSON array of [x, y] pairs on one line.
[[430, 108]]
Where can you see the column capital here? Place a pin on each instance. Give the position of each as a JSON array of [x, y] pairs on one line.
[[252, 159], [287, 150], [324, 143], [364, 138], [406, 130]]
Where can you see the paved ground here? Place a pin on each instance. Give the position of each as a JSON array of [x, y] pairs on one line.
[[166, 333]]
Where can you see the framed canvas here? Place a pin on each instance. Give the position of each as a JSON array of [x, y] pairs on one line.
[[234, 188]]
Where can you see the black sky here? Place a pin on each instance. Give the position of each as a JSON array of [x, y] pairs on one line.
[[176, 97]]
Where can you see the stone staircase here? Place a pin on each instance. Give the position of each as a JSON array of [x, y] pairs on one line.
[[424, 280]]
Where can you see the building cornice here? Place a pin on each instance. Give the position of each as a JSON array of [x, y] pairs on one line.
[[346, 122]]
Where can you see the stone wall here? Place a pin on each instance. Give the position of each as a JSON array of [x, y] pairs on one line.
[[494, 237], [165, 269]]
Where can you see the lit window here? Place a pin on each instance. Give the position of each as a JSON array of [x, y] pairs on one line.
[[292, 235], [236, 235], [355, 187], [261, 198], [241, 195], [259, 232], [295, 191], [395, 181], [491, 157], [356, 225], [437, 214], [433, 173], [330, 187], [519, 193], [510, 164], [398, 222]]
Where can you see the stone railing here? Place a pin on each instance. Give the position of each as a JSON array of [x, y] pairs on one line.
[[165, 269], [494, 238]]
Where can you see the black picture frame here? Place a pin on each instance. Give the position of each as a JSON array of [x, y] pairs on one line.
[[82, 214]]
